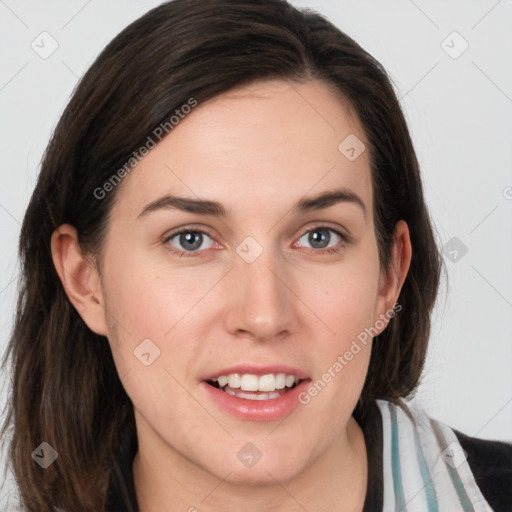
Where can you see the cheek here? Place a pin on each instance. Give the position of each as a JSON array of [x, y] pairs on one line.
[[150, 347], [148, 298], [344, 299], [345, 303], [155, 314], [342, 356]]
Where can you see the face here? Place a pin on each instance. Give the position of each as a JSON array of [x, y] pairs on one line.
[[276, 284]]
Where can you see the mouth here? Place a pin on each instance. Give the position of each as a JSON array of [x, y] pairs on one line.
[[256, 393], [249, 386]]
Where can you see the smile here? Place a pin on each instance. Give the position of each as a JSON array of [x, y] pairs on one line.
[[255, 387]]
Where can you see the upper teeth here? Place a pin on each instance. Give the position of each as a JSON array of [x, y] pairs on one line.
[[250, 382]]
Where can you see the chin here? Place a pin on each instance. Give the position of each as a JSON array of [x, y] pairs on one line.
[[267, 470], [264, 476]]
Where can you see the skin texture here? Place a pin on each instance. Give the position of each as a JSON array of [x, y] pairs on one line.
[[257, 150]]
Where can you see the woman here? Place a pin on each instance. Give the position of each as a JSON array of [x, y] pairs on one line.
[[229, 269]]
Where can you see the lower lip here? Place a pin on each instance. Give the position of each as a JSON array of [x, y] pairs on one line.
[[258, 410]]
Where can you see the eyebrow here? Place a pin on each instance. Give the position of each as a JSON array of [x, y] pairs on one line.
[[214, 208]]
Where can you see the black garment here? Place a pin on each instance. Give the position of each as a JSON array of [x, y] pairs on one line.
[[490, 463]]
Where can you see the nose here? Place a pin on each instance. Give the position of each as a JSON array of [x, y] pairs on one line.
[[261, 303]]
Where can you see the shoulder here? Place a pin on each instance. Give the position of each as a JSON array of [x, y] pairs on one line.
[[491, 464]]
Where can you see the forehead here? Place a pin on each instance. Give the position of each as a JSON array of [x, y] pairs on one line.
[[255, 147]]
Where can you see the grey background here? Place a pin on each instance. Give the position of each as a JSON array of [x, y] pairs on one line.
[[459, 112]]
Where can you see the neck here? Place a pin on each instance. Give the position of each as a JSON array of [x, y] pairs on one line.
[[336, 480]]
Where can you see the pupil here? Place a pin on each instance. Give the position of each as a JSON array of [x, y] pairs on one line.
[[314, 238], [188, 239]]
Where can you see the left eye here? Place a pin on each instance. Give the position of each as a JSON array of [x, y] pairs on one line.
[[319, 237]]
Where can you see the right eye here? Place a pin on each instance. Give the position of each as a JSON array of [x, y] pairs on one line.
[[189, 241]]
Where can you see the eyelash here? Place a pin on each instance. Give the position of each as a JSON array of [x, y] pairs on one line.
[[331, 250]]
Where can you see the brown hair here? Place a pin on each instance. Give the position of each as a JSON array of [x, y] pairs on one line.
[[65, 388]]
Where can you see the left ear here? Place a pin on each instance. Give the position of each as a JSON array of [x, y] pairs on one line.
[[392, 278]]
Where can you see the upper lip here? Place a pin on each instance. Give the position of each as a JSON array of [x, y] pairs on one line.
[[258, 370]]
